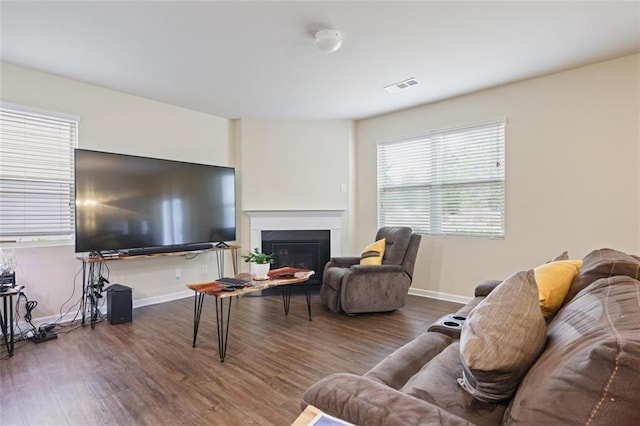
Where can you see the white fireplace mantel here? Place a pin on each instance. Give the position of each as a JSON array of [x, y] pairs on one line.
[[288, 220]]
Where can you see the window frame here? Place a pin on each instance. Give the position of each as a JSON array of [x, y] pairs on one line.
[[431, 187], [64, 235]]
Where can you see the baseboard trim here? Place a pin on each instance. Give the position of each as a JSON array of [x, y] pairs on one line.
[[440, 296], [154, 300]]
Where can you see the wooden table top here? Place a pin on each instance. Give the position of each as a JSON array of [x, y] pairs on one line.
[[214, 288]]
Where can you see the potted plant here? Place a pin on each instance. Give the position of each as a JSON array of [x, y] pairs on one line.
[[260, 264]]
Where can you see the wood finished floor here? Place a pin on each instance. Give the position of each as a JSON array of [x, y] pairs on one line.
[[146, 372]]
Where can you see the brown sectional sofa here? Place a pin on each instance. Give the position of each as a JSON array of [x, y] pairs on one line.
[[587, 373]]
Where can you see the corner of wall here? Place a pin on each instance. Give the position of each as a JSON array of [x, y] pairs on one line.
[[353, 192]]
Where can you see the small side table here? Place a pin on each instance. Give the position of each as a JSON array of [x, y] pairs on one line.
[[6, 318], [306, 416]]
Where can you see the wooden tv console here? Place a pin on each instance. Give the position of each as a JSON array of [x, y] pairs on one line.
[[91, 288]]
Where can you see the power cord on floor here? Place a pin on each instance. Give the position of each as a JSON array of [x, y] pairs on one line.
[[39, 334]]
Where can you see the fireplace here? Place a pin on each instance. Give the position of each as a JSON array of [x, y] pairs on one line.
[[308, 249], [278, 224]]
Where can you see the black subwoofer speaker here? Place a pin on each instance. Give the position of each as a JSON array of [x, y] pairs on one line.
[[119, 304]]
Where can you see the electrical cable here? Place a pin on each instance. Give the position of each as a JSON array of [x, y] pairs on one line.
[[70, 328], [94, 287], [58, 321], [73, 292], [29, 306], [16, 317], [99, 276], [77, 304]]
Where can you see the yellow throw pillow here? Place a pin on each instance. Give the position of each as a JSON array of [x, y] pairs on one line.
[[373, 253], [554, 280]]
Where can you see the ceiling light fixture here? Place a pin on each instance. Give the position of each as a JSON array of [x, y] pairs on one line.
[[328, 40]]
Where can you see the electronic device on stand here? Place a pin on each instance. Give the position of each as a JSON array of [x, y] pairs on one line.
[[7, 281]]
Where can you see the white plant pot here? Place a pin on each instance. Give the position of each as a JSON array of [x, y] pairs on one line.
[[260, 271]]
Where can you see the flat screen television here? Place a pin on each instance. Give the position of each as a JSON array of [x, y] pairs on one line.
[[131, 202]]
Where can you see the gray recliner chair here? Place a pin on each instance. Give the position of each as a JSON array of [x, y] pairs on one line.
[[353, 288]]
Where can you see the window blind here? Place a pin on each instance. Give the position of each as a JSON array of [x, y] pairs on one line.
[[448, 182], [36, 174]]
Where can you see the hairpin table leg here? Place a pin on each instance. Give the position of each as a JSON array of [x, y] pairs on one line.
[[197, 313], [286, 298], [223, 332], [307, 290]]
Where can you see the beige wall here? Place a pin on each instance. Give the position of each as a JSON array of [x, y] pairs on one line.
[[280, 165], [572, 149], [572, 176], [296, 165], [116, 122]]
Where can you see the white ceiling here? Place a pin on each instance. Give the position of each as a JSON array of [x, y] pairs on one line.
[[258, 60]]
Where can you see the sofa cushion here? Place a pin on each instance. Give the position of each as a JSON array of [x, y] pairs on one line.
[[373, 253], [553, 280], [398, 239], [436, 383], [603, 263], [501, 339], [588, 374]]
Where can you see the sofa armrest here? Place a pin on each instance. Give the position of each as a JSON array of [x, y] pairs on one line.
[[451, 324], [363, 401], [342, 262], [405, 362], [485, 287]]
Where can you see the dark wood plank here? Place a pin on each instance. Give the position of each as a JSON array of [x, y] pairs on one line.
[[146, 372]]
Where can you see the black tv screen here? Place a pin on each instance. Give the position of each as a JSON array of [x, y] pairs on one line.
[[125, 202]]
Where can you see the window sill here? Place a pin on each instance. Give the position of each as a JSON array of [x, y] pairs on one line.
[[36, 243]]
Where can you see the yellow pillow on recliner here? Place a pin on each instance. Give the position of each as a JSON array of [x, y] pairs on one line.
[[554, 280], [373, 253]]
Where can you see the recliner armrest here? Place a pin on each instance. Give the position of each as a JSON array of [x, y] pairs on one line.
[[342, 262], [377, 268]]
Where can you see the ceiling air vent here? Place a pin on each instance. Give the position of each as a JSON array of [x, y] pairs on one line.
[[405, 84]]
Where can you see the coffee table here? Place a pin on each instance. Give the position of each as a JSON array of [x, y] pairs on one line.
[[215, 289]]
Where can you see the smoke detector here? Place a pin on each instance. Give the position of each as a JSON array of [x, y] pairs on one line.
[[328, 40], [404, 84]]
